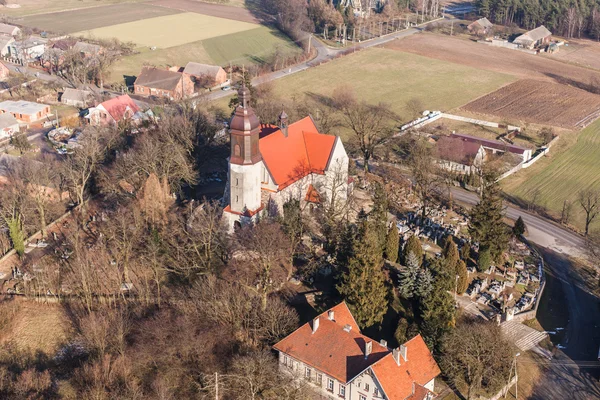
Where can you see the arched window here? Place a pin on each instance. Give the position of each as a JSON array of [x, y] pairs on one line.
[[237, 151], [237, 182], [237, 199]]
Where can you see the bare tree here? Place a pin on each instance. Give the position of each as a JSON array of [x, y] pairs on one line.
[[424, 172], [589, 200]]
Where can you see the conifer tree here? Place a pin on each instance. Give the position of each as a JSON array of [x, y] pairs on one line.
[[487, 226], [392, 244], [363, 285], [437, 316], [413, 245], [463, 282], [409, 277], [378, 215], [424, 283], [519, 227]]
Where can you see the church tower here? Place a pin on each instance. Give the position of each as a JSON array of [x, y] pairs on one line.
[[245, 162]]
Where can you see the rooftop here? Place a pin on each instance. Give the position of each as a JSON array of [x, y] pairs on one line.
[[117, 106], [457, 150], [7, 120], [197, 69], [7, 29], [492, 144], [22, 107], [533, 35], [158, 78]]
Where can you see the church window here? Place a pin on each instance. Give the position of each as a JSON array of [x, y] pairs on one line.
[[237, 183], [237, 199], [237, 151]]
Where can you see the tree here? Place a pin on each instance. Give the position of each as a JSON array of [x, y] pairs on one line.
[[413, 245], [424, 283], [392, 244], [519, 227], [487, 219], [565, 215], [363, 284], [589, 200], [408, 279], [378, 215], [477, 354], [415, 106], [293, 223], [546, 134], [424, 172], [371, 125], [437, 315], [19, 141], [484, 259], [463, 277]]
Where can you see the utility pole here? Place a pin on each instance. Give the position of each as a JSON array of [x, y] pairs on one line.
[[216, 386], [451, 27]]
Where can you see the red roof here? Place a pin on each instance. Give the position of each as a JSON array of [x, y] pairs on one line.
[[302, 152], [340, 354], [117, 106]]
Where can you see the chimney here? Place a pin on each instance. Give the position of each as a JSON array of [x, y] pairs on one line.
[[330, 315], [315, 325], [368, 348], [347, 328], [403, 351], [283, 123], [396, 355], [383, 343]]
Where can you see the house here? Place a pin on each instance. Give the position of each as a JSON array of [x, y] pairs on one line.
[[458, 155], [4, 71], [163, 83], [538, 37], [8, 125], [481, 27], [76, 98], [341, 362], [25, 111], [87, 49], [270, 165], [9, 30], [6, 43], [113, 111], [495, 146], [206, 75], [29, 50]]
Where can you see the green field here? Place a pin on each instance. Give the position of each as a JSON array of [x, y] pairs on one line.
[[170, 30], [239, 48], [94, 17], [393, 77], [562, 175]]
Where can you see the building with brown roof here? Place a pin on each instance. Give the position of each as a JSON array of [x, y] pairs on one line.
[[205, 75], [537, 37], [481, 27], [158, 82], [458, 155], [496, 146], [341, 362]]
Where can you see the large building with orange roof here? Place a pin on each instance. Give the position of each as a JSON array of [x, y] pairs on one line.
[[270, 165], [342, 363]]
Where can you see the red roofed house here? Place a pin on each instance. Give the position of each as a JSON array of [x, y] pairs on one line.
[[459, 156], [342, 363], [274, 164], [113, 111]]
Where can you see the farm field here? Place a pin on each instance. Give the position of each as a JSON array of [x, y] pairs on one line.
[[94, 17], [581, 52], [222, 9], [30, 7], [241, 48], [183, 28], [381, 75], [540, 103], [569, 169]]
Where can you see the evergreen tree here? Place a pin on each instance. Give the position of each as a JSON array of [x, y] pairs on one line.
[[487, 226], [424, 283], [378, 215], [463, 277], [409, 277], [363, 285], [392, 244], [437, 316], [413, 245], [465, 252], [484, 260], [247, 81], [401, 330], [17, 236], [519, 227]]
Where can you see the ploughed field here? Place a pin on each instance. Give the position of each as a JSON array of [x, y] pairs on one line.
[[540, 102]]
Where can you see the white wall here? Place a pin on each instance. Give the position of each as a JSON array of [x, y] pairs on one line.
[[244, 187]]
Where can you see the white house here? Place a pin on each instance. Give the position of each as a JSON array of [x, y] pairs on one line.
[[342, 363], [8, 125], [113, 111], [10, 30], [270, 165]]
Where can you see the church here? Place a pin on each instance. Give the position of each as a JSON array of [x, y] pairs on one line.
[[270, 165]]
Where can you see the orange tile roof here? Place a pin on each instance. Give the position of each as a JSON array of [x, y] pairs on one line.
[[117, 106], [302, 152], [340, 354]]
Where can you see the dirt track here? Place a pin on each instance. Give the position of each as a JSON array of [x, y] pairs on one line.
[[539, 102], [215, 10], [497, 59]]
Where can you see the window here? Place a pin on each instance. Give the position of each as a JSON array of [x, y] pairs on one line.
[[342, 390], [362, 397], [376, 391], [320, 379], [330, 384], [237, 182], [284, 360], [307, 373], [237, 199], [237, 151], [367, 387]]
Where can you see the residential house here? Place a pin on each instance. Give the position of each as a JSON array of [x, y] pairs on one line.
[[538, 37], [25, 111], [9, 30], [113, 111], [8, 125], [77, 98], [4, 71], [158, 82], [271, 165], [481, 27], [87, 49], [496, 146], [340, 362], [459, 156], [205, 75], [29, 50], [6, 43]]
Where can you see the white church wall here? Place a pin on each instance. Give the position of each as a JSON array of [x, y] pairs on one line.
[[245, 188]]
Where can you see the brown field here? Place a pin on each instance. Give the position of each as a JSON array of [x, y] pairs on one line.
[[580, 52], [481, 56], [215, 10], [539, 102]]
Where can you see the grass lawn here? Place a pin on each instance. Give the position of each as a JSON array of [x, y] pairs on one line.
[[170, 30], [381, 75], [94, 17], [562, 175], [238, 48]]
